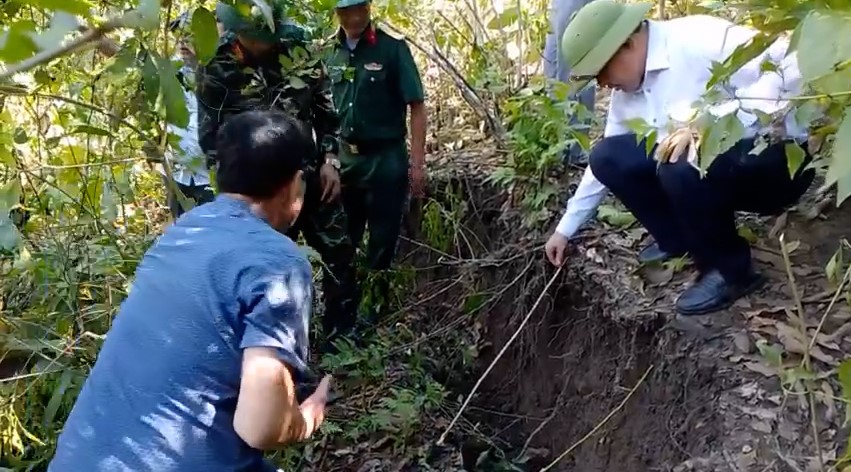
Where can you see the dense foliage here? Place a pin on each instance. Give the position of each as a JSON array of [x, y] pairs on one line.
[[81, 130]]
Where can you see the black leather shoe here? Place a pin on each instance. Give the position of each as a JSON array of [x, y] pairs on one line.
[[575, 155], [712, 293], [653, 253]]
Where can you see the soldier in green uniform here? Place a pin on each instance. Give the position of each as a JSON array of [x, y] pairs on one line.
[[375, 82], [256, 67]]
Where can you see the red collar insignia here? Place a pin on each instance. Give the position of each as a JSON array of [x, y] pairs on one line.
[[369, 36]]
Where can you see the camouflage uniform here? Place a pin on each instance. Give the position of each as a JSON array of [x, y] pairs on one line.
[[234, 81]]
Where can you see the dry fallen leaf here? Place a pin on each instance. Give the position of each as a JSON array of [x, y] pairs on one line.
[[827, 398], [795, 342], [742, 342], [761, 368], [761, 426]]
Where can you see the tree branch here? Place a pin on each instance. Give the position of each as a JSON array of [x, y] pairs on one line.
[[91, 37], [467, 91], [105, 46]]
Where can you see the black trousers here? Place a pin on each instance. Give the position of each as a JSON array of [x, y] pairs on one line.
[[686, 213], [199, 193]]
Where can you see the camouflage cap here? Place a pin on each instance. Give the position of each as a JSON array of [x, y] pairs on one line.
[[596, 32], [350, 3], [248, 19]]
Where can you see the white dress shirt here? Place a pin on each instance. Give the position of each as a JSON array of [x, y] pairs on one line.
[[187, 161], [680, 54]]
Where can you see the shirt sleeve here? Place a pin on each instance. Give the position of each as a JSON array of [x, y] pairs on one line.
[[278, 311], [410, 83], [754, 86], [326, 120], [217, 95], [590, 192]]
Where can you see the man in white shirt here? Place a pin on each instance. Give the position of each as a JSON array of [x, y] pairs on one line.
[[187, 161], [656, 68], [556, 67]]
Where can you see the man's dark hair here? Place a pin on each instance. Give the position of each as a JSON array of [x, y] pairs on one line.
[[259, 152]]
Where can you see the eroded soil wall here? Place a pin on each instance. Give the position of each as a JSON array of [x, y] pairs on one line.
[[576, 359]]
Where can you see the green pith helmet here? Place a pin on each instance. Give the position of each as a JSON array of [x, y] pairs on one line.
[[596, 33], [245, 18], [350, 3]]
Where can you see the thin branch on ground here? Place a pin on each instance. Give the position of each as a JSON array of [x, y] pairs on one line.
[[499, 355], [601, 423], [836, 295], [807, 361]]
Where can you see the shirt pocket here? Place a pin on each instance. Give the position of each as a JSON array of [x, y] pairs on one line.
[[373, 90], [375, 77]]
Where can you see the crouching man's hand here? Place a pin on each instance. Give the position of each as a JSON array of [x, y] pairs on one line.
[[681, 143], [556, 249]]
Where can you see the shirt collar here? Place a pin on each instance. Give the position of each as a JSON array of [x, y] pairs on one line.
[[368, 35], [657, 50]]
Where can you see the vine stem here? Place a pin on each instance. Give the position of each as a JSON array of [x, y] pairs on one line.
[[807, 361], [499, 356], [601, 423]]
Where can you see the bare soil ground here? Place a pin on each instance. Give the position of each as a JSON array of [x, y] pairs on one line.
[[709, 402]]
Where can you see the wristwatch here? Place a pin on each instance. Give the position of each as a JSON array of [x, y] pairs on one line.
[[335, 163]]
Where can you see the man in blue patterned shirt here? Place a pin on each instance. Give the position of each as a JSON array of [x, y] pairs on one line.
[[198, 372]]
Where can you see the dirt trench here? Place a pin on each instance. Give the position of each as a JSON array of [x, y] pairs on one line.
[[576, 365], [582, 351]]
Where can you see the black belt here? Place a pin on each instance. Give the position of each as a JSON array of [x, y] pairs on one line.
[[368, 147]]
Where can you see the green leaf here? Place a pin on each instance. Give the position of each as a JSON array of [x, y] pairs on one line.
[[640, 127], [311, 253], [794, 39], [794, 157], [474, 303], [16, 43], [76, 7], [760, 145], [20, 135], [770, 352], [505, 19], [833, 269], [10, 195], [297, 83], [719, 138], [90, 130], [56, 399], [808, 112], [825, 42], [205, 36], [285, 61], [108, 206], [839, 171], [145, 17], [650, 141], [171, 93], [267, 13], [747, 234], [740, 56], [615, 217], [9, 235], [61, 24], [844, 374], [150, 80]]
